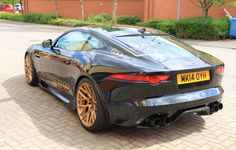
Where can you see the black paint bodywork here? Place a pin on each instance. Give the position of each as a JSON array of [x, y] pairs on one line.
[[127, 103]]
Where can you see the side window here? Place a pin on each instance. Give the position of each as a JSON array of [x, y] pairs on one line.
[[73, 41], [92, 43]]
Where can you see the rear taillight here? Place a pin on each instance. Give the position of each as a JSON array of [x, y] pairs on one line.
[[152, 79], [220, 70]]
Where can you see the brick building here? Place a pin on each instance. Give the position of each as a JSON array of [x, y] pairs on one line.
[[145, 9]]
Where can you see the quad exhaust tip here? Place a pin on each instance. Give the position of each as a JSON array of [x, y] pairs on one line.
[[220, 106], [161, 120], [216, 107], [165, 120], [155, 122]]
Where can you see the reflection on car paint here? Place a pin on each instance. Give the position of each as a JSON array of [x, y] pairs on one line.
[[180, 98], [56, 82]]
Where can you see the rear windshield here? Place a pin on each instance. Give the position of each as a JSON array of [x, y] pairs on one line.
[[161, 46]]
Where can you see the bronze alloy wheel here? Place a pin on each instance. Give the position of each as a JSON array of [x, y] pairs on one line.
[[86, 104], [28, 68]]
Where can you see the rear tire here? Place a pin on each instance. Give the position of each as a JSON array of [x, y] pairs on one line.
[[30, 71], [90, 109]]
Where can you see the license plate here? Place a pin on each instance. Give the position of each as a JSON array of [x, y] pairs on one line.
[[193, 77]]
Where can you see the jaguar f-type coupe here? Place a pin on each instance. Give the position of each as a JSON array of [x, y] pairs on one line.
[[126, 76]]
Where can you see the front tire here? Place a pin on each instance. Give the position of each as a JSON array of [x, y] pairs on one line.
[[89, 107], [30, 72]]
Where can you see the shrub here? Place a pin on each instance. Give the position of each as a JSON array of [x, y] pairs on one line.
[[190, 28], [152, 23], [221, 27], [129, 20], [193, 28], [14, 17], [202, 29], [165, 26], [69, 22], [101, 18], [168, 27], [38, 18], [75, 23]]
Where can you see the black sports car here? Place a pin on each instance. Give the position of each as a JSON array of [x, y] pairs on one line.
[[126, 76]]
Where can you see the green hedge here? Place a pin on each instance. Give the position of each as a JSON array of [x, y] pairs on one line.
[[31, 18], [69, 22], [100, 18], [193, 28], [47, 19], [14, 17], [38, 18], [129, 20], [168, 26], [206, 29]]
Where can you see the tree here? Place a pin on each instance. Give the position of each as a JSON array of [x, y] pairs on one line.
[[82, 9], [9, 1], [114, 11], [21, 5], [206, 5], [179, 10], [56, 7]]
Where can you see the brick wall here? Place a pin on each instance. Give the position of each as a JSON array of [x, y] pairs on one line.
[[189, 8], [145, 9], [71, 8]]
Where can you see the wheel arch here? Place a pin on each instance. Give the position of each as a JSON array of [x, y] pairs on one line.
[[26, 53], [29, 51], [97, 88]]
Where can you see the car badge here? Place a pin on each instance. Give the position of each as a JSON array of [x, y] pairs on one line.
[[117, 52]]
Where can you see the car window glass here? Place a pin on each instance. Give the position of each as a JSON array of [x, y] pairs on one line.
[[73, 41], [92, 43], [161, 47]]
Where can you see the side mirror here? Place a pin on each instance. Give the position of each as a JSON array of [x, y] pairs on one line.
[[47, 43]]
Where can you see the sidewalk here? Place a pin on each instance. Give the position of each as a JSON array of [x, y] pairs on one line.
[[229, 44], [33, 119]]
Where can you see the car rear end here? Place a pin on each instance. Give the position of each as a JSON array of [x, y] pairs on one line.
[[140, 103], [173, 79]]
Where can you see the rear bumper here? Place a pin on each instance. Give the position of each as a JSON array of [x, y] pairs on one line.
[[135, 112]]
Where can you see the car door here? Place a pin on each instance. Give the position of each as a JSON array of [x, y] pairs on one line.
[[56, 64]]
